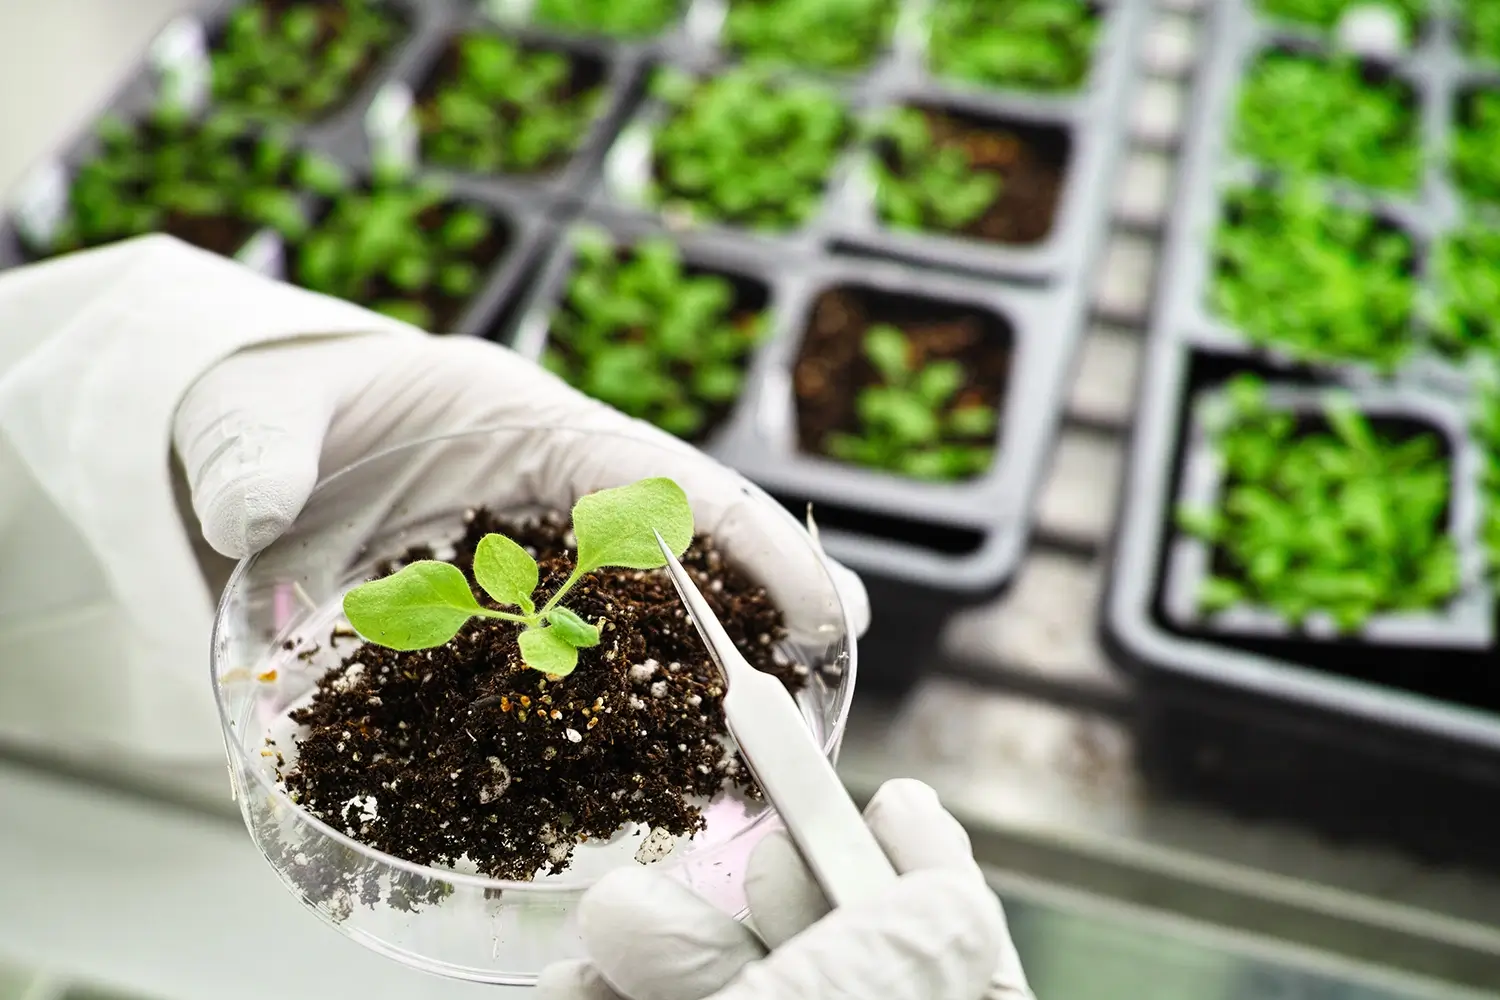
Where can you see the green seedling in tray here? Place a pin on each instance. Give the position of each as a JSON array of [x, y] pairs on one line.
[[210, 181], [1479, 27], [921, 184], [742, 150], [1342, 520], [617, 18], [426, 603], [1326, 13], [401, 248], [1476, 148], [1321, 282], [302, 59], [838, 35], [1486, 430], [914, 420], [639, 332], [507, 109], [1042, 45], [1468, 278], [1313, 116]]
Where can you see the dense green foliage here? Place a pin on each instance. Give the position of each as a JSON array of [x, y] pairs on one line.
[[842, 35], [1044, 45]]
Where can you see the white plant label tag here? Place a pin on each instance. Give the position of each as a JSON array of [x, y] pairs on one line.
[[392, 127], [509, 11], [264, 254], [180, 57], [41, 203]]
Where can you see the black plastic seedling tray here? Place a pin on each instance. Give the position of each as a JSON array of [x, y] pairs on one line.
[[1392, 734]]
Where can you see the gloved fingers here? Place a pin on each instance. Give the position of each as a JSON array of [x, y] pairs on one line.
[[913, 829], [574, 980], [652, 938], [934, 935]]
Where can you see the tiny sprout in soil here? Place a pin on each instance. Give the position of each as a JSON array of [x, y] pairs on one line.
[[1041, 45], [1326, 13], [641, 332], [1312, 116], [1479, 29], [743, 150], [300, 58], [499, 106], [210, 182], [1319, 281], [635, 19], [913, 421], [401, 248], [426, 603], [837, 35], [1468, 319], [1338, 518], [1476, 146]]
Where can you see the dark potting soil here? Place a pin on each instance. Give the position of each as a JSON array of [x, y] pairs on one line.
[[832, 368], [218, 234], [586, 76], [462, 751], [1031, 162]]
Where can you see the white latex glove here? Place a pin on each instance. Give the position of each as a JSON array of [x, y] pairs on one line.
[[938, 934], [110, 355]]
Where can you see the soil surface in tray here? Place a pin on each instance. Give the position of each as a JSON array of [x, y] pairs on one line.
[[1031, 162], [463, 752], [832, 367]]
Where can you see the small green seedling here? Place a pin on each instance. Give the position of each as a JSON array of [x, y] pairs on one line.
[[1315, 116], [1476, 148], [402, 248], [507, 109], [616, 18], [1479, 28], [1486, 430], [1468, 307], [1343, 521], [1326, 13], [299, 60], [427, 602], [210, 181], [641, 333], [915, 420], [1040, 45], [920, 184], [740, 149], [1316, 280], [833, 35]]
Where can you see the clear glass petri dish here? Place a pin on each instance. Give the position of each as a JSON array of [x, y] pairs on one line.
[[270, 648]]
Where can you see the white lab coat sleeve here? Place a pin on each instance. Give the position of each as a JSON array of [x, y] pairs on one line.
[[105, 619]]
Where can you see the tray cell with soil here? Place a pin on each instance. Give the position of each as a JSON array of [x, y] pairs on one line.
[[639, 327], [1336, 118], [212, 181], [1319, 282], [745, 150], [407, 249], [442, 746], [947, 173], [840, 36], [1043, 46], [902, 385], [498, 105], [1310, 513], [301, 59]]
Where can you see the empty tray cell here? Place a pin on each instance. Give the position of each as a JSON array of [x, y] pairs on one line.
[[1319, 281], [301, 59], [498, 105], [943, 172], [1030, 45], [902, 384], [1476, 144], [1335, 117], [844, 37]]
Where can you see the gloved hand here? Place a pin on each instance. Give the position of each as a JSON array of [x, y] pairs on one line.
[[938, 934]]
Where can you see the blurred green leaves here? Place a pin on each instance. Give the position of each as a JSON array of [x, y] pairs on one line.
[[838, 35], [1040, 45], [618, 18]]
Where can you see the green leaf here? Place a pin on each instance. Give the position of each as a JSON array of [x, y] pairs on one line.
[[546, 650], [421, 606], [506, 571], [571, 627], [616, 527], [888, 351]]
